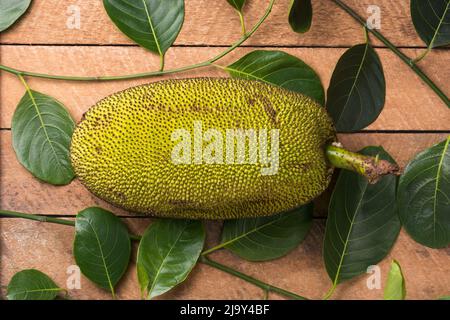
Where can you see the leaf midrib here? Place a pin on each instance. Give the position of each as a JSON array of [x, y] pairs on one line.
[[37, 290], [236, 5], [43, 126], [101, 255], [354, 82], [441, 20], [226, 243], [438, 174], [163, 262], [336, 278], [150, 22]]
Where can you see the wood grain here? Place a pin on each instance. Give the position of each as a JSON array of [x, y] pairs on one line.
[[19, 191], [410, 104], [217, 24], [29, 244]]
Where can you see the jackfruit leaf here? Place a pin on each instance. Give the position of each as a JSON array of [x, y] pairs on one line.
[[362, 222], [281, 69], [237, 4], [153, 24], [10, 11], [168, 251], [41, 132], [267, 238], [32, 284], [444, 298], [300, 15], [102, 247], [432, 21], [395, 286], [356, 95], [424, 196]]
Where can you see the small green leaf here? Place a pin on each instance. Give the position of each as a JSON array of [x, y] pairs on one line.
[[237, 4], [424, 196], [395, 286], [300, 15], [362, 222], [444, 298], [32, 284], [267, 238], [357, 90], [102, 247], [41, 132], [153, 24], [432, 21], [168, 251], [281, 69], [10, 11]]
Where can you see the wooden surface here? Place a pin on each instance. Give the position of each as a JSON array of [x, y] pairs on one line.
[[215, 23], [413, 119], [47, 247]]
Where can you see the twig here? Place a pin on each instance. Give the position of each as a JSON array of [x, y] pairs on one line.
[[265, 286], [206, 63], [394, 49]]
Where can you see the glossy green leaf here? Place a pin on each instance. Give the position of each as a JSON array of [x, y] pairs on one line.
[[153, 24], [237, 4], [267, 238], [357, 90], [424, 196], [281, 69], [362, 222], [102, 247], [395, 286], [300, 15], [32, 284], [41, 132], [168, 251], [10, 11], [432, 21]]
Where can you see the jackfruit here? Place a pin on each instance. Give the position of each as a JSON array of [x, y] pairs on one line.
[[210, 148]]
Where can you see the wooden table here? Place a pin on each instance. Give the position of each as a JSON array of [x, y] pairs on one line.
[[413, 119]]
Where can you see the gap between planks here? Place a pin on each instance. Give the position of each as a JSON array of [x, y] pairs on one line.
[[205, 45]]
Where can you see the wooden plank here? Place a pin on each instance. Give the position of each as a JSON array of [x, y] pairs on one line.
[[410, 104], [217, 24], [19, 191], [47, 247]]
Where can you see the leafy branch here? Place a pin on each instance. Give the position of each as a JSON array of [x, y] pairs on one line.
[[410, 62], [207, 63], [204, 259]]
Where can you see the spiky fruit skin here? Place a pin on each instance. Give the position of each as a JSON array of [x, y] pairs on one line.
[[122, 149]]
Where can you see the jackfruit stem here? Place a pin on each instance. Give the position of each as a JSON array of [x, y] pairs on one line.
[[370, 167]]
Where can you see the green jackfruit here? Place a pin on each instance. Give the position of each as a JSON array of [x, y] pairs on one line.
[[204, 148]]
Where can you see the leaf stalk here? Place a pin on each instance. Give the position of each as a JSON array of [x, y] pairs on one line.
[[330, 292], [370, 167], [410, 62], [241, 18]]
